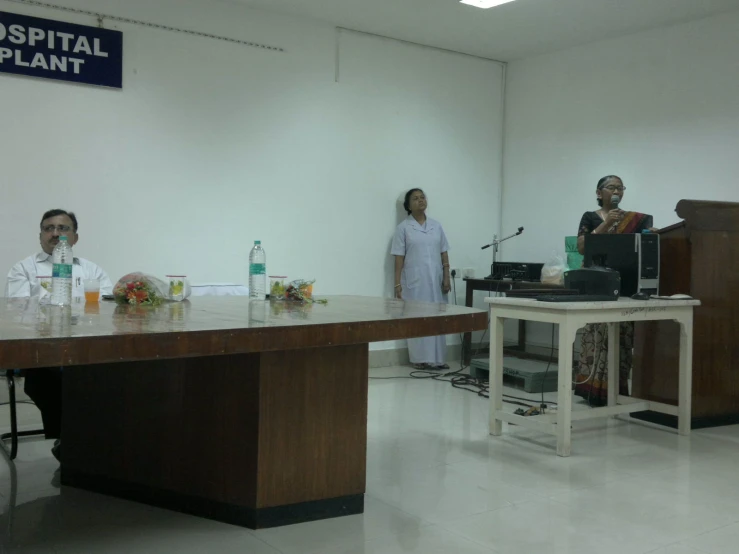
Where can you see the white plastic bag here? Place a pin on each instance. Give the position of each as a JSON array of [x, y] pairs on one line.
[[553, 272]]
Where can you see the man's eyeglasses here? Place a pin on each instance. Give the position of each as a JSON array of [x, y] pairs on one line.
[[60, 228], [612, 188]]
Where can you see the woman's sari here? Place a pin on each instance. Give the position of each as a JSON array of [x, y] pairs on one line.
[[591, 377], [633, 222]]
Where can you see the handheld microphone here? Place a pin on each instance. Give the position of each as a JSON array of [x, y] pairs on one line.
[[615, 201]]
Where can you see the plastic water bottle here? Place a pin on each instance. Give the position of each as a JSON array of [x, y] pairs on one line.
[[257, 272], [61, 275], [257, 313], [59, 320]]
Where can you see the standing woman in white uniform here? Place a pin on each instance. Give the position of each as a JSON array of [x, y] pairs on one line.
[[422, 273]]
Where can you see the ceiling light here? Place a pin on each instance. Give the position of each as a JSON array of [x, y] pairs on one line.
[[484, 3]]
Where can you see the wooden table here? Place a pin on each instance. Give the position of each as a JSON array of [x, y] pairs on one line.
[[495, 286], [571, 316], [251, 413]]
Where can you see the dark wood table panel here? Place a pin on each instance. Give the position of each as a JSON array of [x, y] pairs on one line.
[[41, 336], [252, 413]]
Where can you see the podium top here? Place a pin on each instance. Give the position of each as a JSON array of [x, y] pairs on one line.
[[709, 215]]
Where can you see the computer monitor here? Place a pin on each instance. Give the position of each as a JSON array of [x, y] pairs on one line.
[[635, 257]]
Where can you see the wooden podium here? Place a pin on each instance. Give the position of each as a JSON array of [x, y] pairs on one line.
[[699, 257]]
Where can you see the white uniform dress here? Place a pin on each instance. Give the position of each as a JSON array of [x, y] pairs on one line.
[[421, 279]]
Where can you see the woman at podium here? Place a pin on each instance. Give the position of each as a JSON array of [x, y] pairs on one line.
[[591, 381]]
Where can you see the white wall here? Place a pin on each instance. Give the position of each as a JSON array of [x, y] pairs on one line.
[[660, 109], [211, 145]]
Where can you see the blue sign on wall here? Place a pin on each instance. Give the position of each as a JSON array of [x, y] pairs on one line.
[[64, 51]]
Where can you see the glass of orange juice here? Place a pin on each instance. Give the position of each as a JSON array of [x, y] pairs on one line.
[[92, 290]]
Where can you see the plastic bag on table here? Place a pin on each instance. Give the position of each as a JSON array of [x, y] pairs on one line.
[[553, 272], [302, 291]]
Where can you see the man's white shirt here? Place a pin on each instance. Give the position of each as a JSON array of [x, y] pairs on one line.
[[23, 278]]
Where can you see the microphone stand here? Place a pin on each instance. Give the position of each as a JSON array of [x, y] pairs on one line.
[[495, 244]]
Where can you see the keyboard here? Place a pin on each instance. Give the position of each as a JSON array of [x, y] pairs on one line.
[[576, 298]]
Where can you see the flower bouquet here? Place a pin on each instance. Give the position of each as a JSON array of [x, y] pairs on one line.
[[140, 289]]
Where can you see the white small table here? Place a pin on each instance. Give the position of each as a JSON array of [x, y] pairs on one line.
[[571, 316]]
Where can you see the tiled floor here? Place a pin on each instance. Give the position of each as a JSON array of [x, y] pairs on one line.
[[437, 483]]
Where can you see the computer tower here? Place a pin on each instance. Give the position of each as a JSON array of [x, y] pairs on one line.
[[648, 263], [635, 257]]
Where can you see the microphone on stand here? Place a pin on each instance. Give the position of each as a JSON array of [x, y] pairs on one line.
[[496, 241]]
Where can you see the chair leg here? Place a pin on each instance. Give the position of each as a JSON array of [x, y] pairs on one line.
[[14, 433]]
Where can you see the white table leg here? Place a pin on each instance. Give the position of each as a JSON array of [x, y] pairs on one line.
[[564, 390], [685, 384], [614, 342], [496, 372]]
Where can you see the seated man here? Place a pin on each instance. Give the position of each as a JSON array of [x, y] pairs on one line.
[[44, 385]]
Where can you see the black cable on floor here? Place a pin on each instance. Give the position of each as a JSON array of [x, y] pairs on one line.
[[462, 381]]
